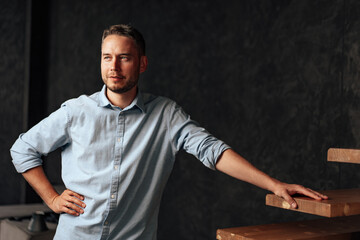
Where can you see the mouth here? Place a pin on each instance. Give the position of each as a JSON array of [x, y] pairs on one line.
[[116, 77]]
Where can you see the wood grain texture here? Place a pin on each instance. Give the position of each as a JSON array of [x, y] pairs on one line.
[[329, 228], [342, 202], [344, 155]]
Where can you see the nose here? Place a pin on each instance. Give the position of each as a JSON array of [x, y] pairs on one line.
[[115, 65]]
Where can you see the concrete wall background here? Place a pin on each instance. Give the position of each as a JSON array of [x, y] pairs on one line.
[[276, 80]]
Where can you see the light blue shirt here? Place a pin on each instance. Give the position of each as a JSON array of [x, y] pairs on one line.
[[118, 159]]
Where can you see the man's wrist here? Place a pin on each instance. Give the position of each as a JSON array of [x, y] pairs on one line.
[[273, 185]]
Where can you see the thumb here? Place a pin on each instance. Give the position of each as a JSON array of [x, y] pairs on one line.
[[289, 200]]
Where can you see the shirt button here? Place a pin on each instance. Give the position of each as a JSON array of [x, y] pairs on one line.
[[106, 223], [116, 167], [119, 139], [113, 196]]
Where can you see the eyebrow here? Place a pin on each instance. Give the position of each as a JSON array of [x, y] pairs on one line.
[[121, 54]]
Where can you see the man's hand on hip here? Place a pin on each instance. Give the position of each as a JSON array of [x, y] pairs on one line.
[[68, 202]]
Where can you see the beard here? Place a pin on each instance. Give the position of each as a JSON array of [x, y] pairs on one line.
[[121, 88]]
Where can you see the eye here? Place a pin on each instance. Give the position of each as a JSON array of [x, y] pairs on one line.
[[124, 58], [107, 58]]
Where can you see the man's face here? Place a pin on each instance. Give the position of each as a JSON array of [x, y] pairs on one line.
[[121, 63]]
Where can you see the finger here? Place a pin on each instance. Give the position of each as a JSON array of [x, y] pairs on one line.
[[70, 211], [74, 208], [74, 197], [76, 201], [75, 194], [75, 204], [319, 194], [292, 203], [310, 193]]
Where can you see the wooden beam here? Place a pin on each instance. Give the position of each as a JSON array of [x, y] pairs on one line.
[[343, 228], [343, 155], [342, 202]]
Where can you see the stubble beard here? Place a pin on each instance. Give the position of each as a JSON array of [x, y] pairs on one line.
[[118, 89]]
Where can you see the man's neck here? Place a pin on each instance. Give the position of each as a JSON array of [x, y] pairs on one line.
[[121, 100]]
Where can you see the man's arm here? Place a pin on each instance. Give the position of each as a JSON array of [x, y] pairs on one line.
[[67, 202], [46, 136], [236, 166]]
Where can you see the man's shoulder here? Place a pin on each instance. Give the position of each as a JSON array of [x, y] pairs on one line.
[[83, 100], [151, 100], [84, 105]]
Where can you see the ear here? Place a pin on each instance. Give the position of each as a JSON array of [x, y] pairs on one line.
[[143, 63]]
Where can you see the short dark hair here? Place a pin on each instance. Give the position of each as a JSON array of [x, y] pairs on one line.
[[129, 31]]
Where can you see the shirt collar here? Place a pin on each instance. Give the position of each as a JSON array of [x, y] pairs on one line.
[[103, 101]]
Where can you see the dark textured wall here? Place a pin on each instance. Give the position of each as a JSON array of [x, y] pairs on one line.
[[12, 75], [276, 80]]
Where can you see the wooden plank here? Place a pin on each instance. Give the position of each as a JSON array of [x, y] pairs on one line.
[[343, 155], [342, 228], [342, 202]]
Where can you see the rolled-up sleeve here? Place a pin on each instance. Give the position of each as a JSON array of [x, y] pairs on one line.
[[45, 137], [188, 135]]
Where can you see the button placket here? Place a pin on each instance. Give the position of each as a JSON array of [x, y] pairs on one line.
[[117, 161], [116, 170]]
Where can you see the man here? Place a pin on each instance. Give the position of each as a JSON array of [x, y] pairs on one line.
[[118, 149]]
